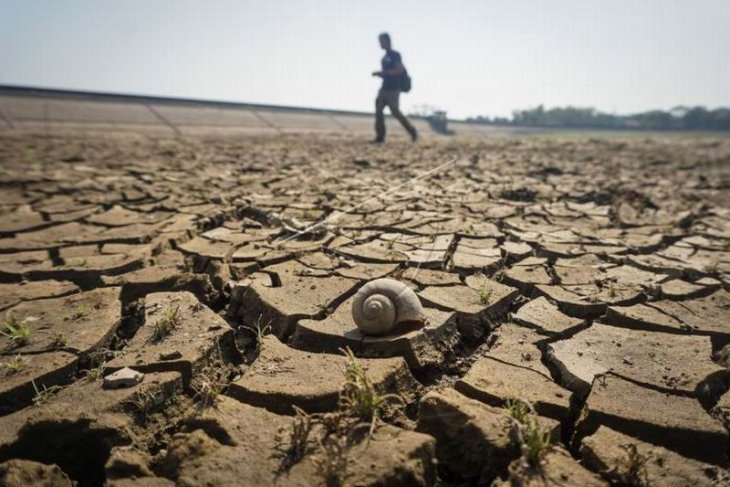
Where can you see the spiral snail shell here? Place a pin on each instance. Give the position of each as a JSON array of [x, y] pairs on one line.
[[383, 303]]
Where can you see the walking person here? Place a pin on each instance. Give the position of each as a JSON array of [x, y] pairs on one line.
[[395, 80]]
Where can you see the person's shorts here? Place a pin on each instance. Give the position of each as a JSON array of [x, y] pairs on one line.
[[389, 98]]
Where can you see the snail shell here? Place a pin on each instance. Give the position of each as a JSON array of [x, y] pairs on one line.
[[383, 303]]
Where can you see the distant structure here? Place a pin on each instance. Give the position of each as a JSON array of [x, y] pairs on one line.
[[439, 122], [436, 118]]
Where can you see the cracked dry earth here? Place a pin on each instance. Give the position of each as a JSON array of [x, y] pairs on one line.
[[585, 279]]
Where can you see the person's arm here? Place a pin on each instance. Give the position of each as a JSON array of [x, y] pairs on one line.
[[394, 71]]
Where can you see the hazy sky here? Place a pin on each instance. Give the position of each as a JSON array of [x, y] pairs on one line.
[[468, 57]]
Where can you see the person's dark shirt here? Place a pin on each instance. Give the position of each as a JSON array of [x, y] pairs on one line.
[[389, 61]]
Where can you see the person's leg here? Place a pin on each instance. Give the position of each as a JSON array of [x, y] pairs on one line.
[[380, 117], [393, 99]]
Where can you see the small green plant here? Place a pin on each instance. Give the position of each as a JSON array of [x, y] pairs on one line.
[[59, 341], [43, 393], [631, 469], [391, 242], [358, 396], [299, 437], [485, 295], [518, 410], [94, 373], [331, 464], [146, 403], [14, 365], [328, 434], [80, 310], [534, 441], [208, 386], [612, 287], [260, 331], [166, 324], [298, 442], [15, 330]]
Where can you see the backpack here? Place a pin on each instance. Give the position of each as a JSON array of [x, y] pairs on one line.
[[405, 82]]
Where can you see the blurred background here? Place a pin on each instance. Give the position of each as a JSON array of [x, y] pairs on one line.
[[482, 60]]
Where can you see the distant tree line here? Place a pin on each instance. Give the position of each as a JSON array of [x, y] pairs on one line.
[[678, 118]]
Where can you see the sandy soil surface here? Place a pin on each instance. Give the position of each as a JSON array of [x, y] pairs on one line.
[[178, 311]]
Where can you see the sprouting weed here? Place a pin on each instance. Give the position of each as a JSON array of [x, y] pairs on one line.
[[44, 393], [612, 288], [80, 310], [260, 330], [95, 373], [59, 341], [391, 242], [211, 381], [208, 386], [358, 396], [485, 295], [166, 324], [14, 365], [519, 410], [534, 441], [298, 442], [331, 464], [17, 331], [631, 469], [359, 406], [146, 403]]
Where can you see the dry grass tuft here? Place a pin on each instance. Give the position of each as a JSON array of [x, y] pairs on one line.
[[166, 324]]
